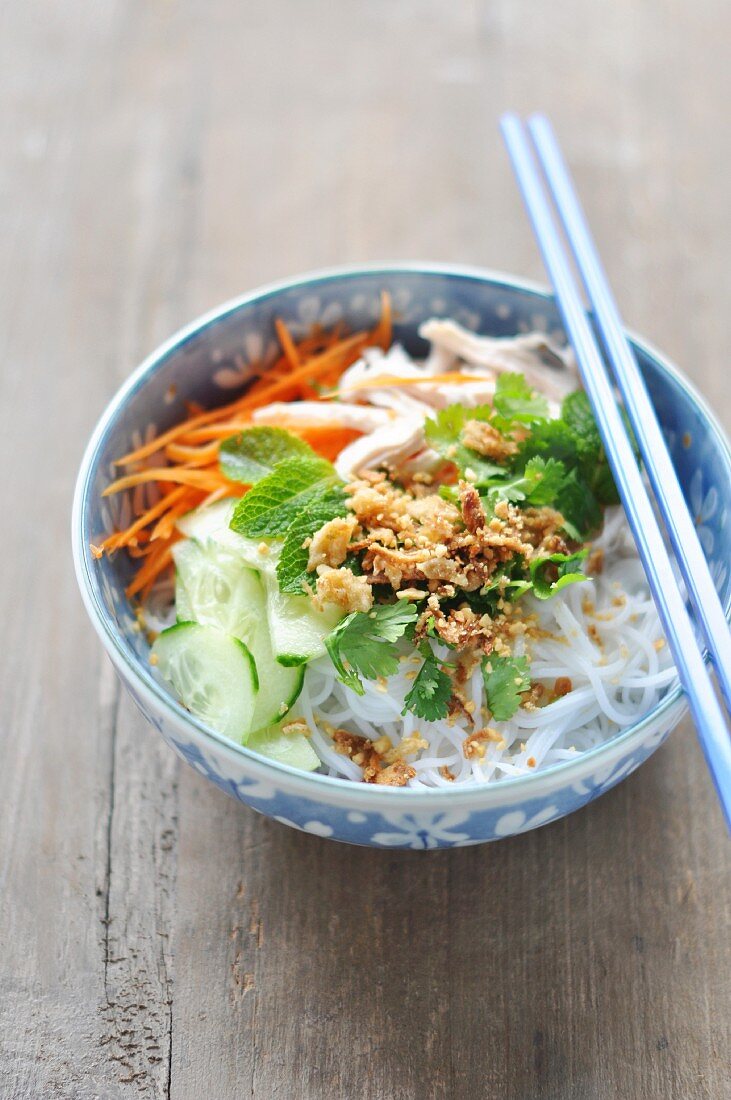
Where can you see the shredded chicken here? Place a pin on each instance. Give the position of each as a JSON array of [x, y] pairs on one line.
[[386, 446], [361, 418], [546, 366]]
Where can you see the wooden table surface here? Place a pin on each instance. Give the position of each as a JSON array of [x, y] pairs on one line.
[[158, 157]]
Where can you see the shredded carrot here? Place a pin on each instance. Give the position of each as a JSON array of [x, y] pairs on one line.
[[377, 381], [304, 369], [290, 351], [153, 567], [208, 479], [165, 526], [192, 456], [327, 440], [122, 538], [383, 332]]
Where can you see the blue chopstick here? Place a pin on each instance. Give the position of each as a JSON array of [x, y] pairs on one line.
[[679, 631], [640, 411]]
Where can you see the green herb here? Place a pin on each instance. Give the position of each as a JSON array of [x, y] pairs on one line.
[[505, 679], [274, 502], [251, 455], [363, 643], [579, 507], [537, 484], [432, 689], [565, 568], [444, 433], [515, 401], [325, 503]]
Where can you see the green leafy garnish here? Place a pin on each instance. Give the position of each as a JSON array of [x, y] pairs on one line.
[[505, 679], [579, 507], [275, 501], [514, 400], [251, 455], [325, 503], [363, 643], [444, 432], [539, 483], [552, 573], [431, 690]]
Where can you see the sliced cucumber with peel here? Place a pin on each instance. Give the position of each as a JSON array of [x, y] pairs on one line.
[[297, 629], [287, 748], [215, 588], [212, 587], [213, 675]]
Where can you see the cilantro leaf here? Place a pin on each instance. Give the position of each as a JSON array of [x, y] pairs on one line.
[[250, 455], [551, 439], [539, 483], [578, 506], [514, 400], [566, 569], [274, 502], [431, 690], [363, 643], [325, 503], [505, 679], [444, 433]]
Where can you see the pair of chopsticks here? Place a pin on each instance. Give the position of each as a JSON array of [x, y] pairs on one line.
[[532, 145]]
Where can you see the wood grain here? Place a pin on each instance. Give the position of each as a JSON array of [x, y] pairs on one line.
[[159, 940]]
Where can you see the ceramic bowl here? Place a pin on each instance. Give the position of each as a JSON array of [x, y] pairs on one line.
[[211, 360]]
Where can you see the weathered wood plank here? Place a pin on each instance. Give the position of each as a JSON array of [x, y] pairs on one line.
[[159, 940]]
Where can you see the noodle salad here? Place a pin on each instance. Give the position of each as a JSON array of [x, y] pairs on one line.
[[399, 572]]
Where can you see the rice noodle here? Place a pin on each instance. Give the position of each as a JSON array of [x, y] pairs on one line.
[[613, 681]]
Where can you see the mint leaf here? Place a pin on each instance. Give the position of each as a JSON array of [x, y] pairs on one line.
[[274, 502], [250, 455], [514, 400], [432, 689], [551, 574], [505, 679], [363, 643], [325, 503]]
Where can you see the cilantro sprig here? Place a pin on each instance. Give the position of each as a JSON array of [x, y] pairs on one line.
[[431, 690], [554, 572], [363, 644], [505, 679]]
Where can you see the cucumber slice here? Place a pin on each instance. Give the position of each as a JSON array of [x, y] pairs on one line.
[[207, 522], [209, 525], [296, 628], [288, 748], [213, 675], [216, 589]]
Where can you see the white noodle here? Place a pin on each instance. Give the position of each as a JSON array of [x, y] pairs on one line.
[[618, 671]]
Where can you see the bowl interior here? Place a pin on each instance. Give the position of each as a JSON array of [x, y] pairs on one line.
[[210, 361]]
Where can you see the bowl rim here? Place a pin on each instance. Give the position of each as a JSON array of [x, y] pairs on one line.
[[314, 782]]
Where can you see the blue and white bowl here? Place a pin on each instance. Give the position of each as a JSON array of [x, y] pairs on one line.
[[214, 356]]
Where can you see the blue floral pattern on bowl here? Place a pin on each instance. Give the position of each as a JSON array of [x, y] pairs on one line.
[[215, 355]]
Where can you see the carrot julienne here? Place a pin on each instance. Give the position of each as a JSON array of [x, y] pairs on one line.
[[303, 370]]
